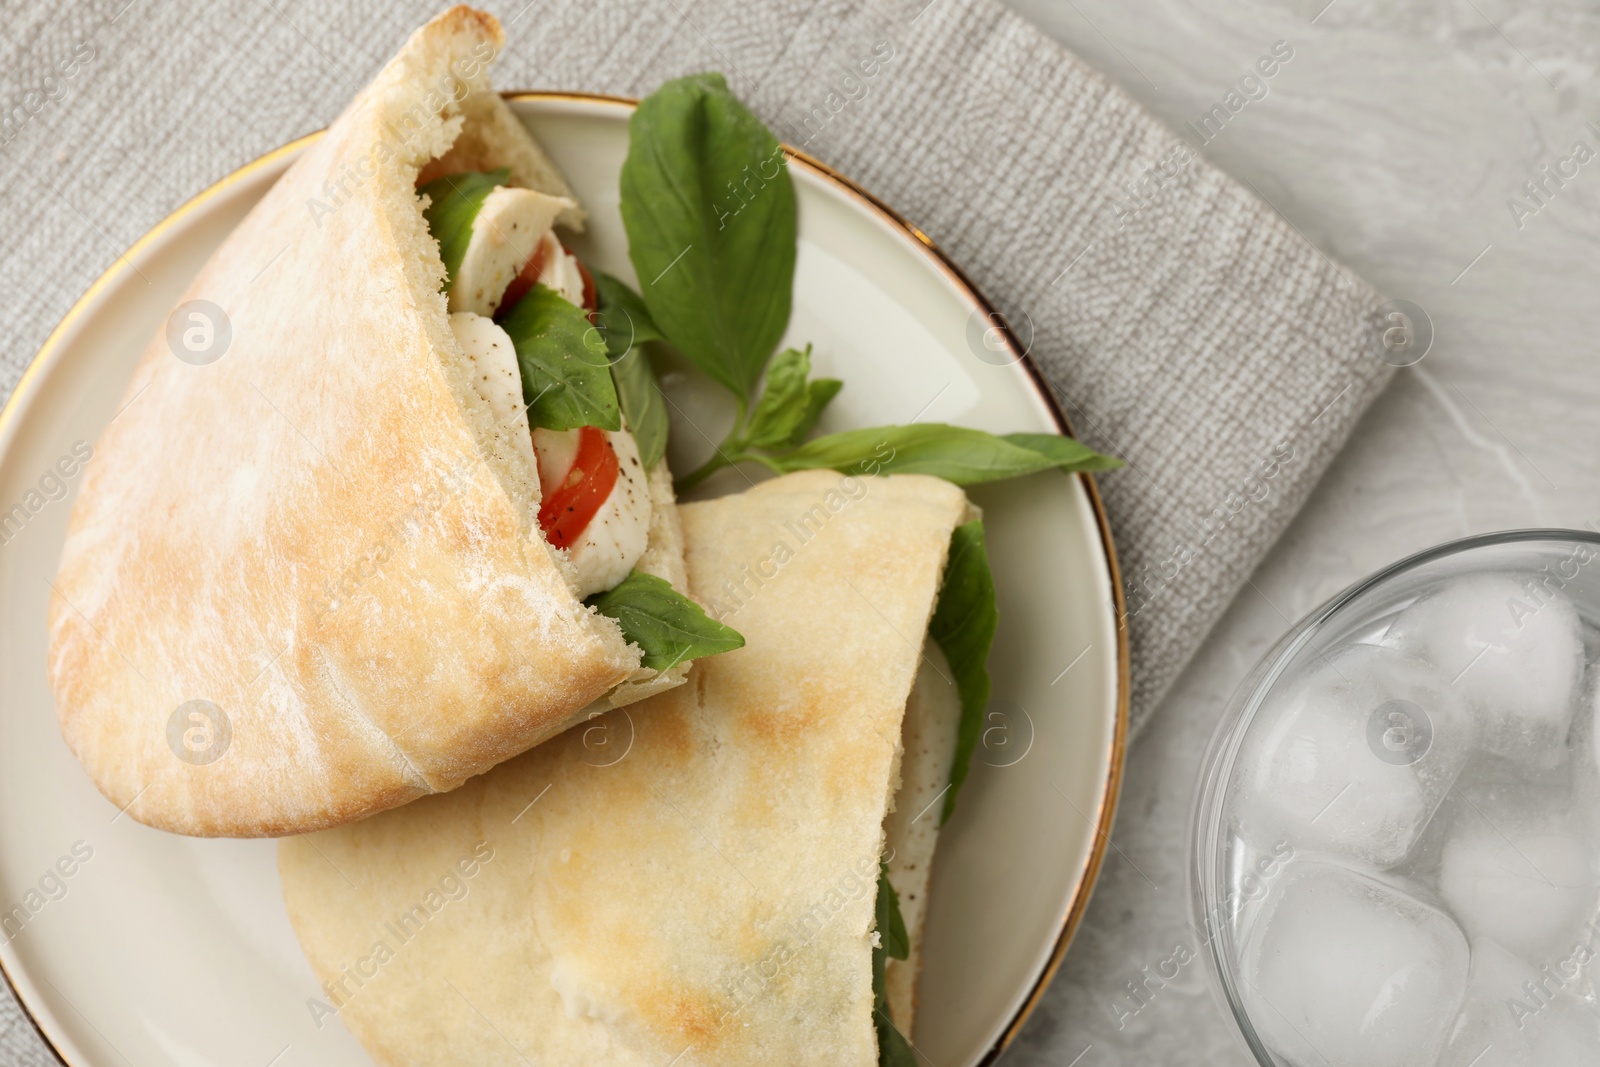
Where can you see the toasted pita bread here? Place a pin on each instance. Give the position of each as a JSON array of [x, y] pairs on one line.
[[695, 874], [321, 536]]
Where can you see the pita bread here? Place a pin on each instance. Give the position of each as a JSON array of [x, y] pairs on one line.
[[320, 536], [692, 877]]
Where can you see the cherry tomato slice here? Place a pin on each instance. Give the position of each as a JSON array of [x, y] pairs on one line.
[[566, 509], [591, 295], [531, 273], [523, 282]]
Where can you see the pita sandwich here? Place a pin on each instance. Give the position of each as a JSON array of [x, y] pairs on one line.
[[310, 576], [695, 878]]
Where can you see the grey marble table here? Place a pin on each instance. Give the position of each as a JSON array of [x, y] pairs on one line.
[[1398, 140]]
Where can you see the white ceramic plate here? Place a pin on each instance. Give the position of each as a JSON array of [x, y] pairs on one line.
[[164, 949]]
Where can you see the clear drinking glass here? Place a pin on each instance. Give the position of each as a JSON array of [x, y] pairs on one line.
[[1396, 831]]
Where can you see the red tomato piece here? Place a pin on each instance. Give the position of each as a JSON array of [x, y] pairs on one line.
[[566, 509], [533, 271], [591, 295], [523, 282]]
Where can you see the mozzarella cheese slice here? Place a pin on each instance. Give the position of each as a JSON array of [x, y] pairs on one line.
[[561, 271], [610, 546], [557, 451], [508, 227], [496, 378], [928, 735]]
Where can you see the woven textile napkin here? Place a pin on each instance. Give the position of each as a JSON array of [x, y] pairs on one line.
[[1185, 327]]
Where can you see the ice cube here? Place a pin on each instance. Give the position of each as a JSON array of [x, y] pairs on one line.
[[1526, 879], [1486, 768], [1476, 791], [1516, 1016], [1347, 969], [1353, 758], [1514, 650]]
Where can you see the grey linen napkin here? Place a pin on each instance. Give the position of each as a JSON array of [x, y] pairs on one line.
[[1185, 327]]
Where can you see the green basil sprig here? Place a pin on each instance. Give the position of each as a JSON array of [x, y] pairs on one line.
[[787, 410], [566, 377], [642, 405], [894, 943], [790, 404], [955, 453], [710, 214], [963, 624], [455, 202], [623, 319], [621, 315], [665, 624], [1065, 452]]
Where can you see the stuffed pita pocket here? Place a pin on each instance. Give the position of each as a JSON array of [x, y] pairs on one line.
[[312, 573], [704, 875]]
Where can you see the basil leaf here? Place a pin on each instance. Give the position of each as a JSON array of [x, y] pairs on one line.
[[891, 927], [621, 315], [667, 625], [789, 406], [1066, 452], [456, 199], [710, 212], [625, 323], [893, 1049], [955, 453], [642, 405], [963, 625], [782, 400], [819, 391], [566, 379]]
